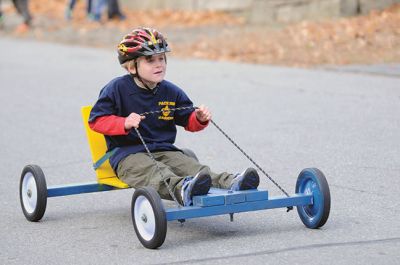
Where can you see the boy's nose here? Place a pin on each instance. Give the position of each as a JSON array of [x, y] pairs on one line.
[[160, 63], [159, 67]]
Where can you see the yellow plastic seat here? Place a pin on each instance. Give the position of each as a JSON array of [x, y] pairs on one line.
[[97, 144]]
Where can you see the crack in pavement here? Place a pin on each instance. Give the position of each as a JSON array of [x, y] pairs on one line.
[[354, 189], [361, 72], [296, 248]]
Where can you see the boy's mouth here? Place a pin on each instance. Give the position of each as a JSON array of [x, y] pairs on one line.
[[159, 72]]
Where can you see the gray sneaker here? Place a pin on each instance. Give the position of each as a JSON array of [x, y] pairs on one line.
[[246, 180], [200, 184]]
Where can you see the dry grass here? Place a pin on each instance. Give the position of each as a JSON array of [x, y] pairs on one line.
[[374, 38]]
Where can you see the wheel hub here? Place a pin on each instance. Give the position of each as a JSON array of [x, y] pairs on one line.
[[144, 218], [29, 193]]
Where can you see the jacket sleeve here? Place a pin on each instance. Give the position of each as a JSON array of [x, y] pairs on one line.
[[109, 125], [194, 125], [106, 104]]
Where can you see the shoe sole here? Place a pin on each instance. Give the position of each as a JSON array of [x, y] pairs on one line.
[[251, 180], [201, 186]]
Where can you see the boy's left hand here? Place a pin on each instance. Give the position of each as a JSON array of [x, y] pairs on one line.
[[203, 114]]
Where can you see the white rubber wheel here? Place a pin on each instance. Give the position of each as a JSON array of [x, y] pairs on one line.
[[148, 217], [33, 192]]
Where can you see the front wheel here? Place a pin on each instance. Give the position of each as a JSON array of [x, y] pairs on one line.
[[311, 181], [148, 217], [33, 192]]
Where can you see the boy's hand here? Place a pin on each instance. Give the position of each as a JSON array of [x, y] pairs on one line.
[[203, 114], [133, 120]]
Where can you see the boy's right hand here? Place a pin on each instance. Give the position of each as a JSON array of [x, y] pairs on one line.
[[133, 120]]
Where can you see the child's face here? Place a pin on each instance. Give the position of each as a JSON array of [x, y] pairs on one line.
[[152, 68]]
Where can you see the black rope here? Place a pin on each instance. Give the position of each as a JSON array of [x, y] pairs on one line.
[[160, 111], [248, 157], [158, 168], [289, 208], [230, 139]]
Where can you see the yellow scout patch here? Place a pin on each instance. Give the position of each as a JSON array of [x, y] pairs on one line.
[[166, 110]]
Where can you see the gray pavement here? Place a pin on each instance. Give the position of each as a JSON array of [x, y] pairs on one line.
[[347, 124]]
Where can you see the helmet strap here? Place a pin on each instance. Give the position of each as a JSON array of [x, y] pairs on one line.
[[137, 77]]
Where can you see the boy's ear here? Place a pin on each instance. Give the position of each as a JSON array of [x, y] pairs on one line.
[[131, 67]]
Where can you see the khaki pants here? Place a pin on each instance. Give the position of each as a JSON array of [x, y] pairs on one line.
[[138, 170]]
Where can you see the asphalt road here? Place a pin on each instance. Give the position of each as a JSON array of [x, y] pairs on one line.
[[345, 123]]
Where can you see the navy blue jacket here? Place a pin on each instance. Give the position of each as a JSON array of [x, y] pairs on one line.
[[121, 96]]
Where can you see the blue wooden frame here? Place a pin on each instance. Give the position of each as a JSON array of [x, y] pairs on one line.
[[217, 202], [220, 201], [72, 189]]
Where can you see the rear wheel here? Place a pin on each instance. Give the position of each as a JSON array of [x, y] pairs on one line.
[[148, 217], [33, 192], [312, 181]]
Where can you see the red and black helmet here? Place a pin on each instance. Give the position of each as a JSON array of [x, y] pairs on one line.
[[141, 42]]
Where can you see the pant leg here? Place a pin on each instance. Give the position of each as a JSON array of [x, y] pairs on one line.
[[23, 9], [94, 10], [71, 4], [97, 8], [138, 170], [183, 165], [111, 8], [89, 7], [16, 5]]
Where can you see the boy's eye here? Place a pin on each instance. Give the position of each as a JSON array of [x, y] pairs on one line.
[[153, 59]]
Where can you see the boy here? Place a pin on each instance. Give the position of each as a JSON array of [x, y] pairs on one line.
[[117, 112]]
